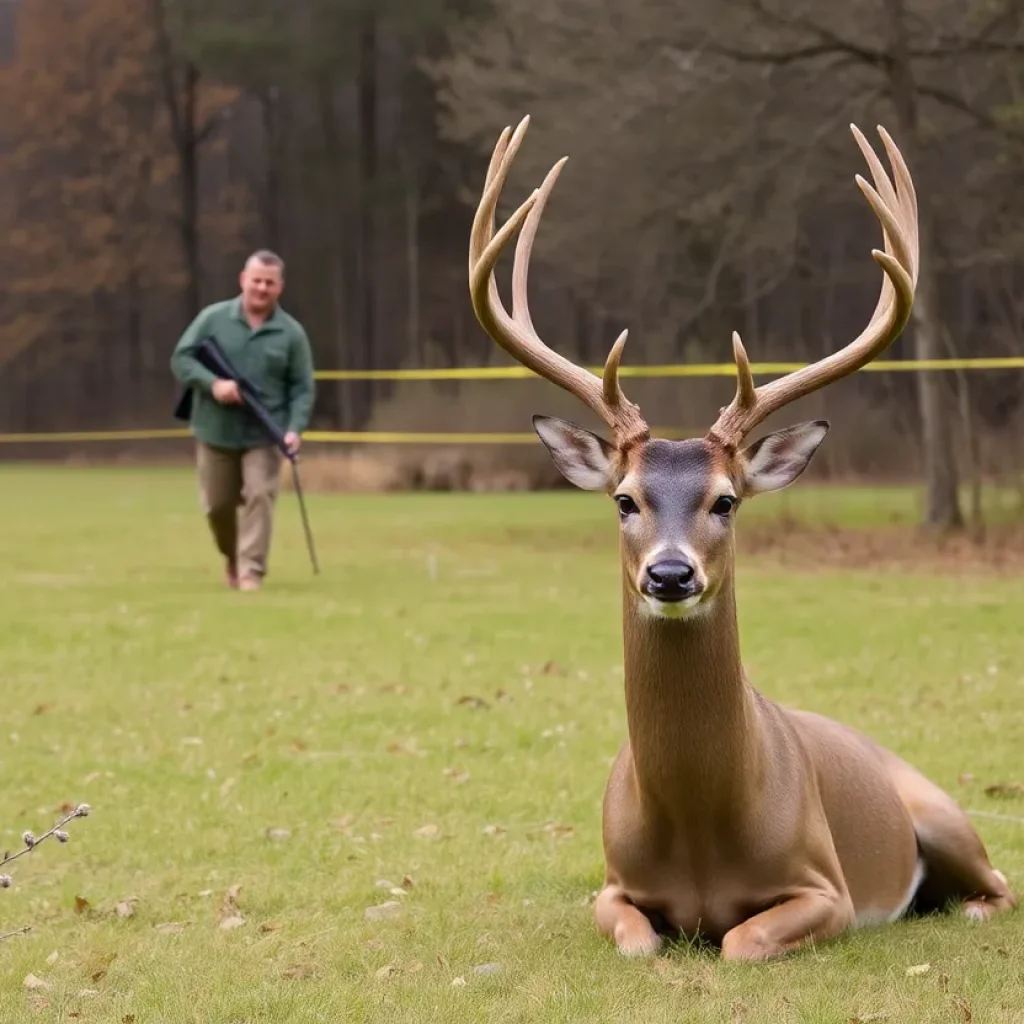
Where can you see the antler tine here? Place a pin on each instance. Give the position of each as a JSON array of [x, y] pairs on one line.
[[895, 206], [907, 195], [516, 333]]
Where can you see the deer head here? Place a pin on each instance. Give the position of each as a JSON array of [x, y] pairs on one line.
[[677, 500]]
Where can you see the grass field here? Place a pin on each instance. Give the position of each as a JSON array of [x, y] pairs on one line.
[[435, 714]]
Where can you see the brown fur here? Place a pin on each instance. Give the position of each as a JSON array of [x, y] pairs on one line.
[[730, 817]]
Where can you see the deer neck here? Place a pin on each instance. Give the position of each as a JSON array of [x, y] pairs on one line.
[[691, 716]]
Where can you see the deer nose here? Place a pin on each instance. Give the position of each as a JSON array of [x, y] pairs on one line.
[[670, 579]]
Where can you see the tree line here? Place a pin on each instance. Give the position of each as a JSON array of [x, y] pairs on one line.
[[147, 146]]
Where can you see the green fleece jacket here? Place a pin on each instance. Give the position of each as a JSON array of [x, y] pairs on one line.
[[276, 357]]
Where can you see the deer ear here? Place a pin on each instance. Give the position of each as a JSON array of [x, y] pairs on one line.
[[583, 458], [776, 460]]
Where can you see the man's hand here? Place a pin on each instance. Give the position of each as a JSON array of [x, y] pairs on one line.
[[293, 441], [226, 392]]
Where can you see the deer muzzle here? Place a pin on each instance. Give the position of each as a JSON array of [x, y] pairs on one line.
[[671, 584]]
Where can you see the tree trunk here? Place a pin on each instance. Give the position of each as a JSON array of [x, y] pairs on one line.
[[414, 343], [181, 108], [367, 100], [942, 505], [188, 155], [270, 109], [339, 398]]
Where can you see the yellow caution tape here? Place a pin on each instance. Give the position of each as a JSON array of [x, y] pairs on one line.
[[321, 436], [383, 437], [676, 370], [93, 435], [510, 373]]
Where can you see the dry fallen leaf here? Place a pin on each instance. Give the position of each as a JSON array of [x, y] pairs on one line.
[[966, 1014], [406, 746], [230, 916], [558, 830], [1008, 789]]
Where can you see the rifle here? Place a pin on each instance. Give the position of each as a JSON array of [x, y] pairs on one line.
[[210, 355]]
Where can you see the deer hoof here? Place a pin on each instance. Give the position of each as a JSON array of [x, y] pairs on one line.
[[636, 943]]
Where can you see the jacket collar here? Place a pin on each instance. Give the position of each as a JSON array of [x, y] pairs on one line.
[[274, 322]]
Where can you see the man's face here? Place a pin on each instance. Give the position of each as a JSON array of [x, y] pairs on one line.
[[261, 286]]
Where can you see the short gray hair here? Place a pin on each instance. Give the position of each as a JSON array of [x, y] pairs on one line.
[[268, 258]]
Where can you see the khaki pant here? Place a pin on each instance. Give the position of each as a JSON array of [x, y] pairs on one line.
[[238, 490]]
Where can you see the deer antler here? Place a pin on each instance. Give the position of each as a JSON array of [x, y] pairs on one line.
[[896, 208], [516, 334]]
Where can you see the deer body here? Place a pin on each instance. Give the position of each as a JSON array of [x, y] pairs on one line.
[[726, 815], [701, 828]]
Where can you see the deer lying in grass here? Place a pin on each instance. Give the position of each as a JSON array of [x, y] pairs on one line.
[[727, 816]]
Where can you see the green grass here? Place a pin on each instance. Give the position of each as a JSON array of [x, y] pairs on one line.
[[194, 720]]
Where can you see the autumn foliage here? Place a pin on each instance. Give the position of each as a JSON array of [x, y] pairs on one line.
[[90, 218]]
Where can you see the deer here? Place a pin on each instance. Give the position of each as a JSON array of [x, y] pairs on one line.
[[728, 818]]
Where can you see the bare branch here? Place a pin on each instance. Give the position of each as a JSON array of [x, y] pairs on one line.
[[980, 117], [212, 123], [803, 53], [31, 841]]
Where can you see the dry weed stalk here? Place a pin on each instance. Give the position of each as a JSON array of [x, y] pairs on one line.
[[31, 842]]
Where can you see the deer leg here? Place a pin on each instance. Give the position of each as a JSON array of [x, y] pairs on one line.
[[626, 923], [817, 915], [957, 866]]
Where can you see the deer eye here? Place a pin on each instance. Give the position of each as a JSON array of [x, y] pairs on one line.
[[627, 506], [724, 505]]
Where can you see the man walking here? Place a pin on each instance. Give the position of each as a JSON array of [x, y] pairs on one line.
[[238, 467]]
